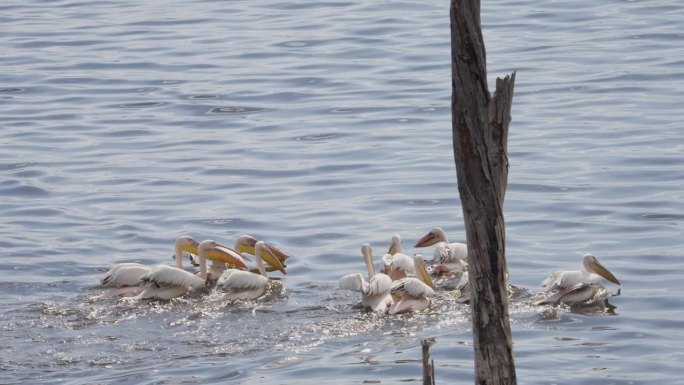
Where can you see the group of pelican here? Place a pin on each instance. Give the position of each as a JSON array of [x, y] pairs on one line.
[[228, 272], [404, 283]]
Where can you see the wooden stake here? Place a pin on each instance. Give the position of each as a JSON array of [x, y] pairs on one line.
[[428, 363], [480, 133]]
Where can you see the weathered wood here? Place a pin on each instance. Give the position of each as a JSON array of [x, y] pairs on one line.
[[480, 132], [428, 364]]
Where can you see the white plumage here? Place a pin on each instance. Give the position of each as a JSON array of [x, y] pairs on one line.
[[578, 294], [396, 264], [124, 274], [591, 272], [375, 293], [165, 282], [124, 279], [240, 284], [445, 252], [412, 294]]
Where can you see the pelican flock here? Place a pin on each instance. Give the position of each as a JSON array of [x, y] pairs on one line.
[[164, 282], [403, 284]]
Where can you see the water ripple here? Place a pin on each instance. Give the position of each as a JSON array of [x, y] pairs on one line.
[[319, 126]]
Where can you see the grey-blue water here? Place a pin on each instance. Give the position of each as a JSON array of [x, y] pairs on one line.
[[319, 126]]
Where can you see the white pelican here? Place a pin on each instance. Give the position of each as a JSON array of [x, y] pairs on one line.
[[394, 263], [590, 272], [240, 284], [579, 294], [375, 293], [123, 279], [411, 294], [165, 282], [445, 253]]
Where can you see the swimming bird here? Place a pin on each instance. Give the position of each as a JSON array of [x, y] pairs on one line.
[[445, 253], [240, 284], [396, 264], [164, 282], [591, 271], [412, 294], [123, 279], [375, 293]]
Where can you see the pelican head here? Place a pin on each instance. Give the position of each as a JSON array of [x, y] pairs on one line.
[[264, 253], [435, 235], [592, 265], [186, 243], [395, 247], [247, 244], [215, 251], [421, 270]]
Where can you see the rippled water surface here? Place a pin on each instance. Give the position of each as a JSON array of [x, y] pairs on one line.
[[320, 126]]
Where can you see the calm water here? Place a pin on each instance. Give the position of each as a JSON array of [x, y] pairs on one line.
[[319, 126]]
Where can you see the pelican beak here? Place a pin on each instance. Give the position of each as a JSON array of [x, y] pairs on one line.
[[226, 254], [603, 272], [282, 257], [392, 250], [422, 272], [428, 240], [270, 258], [248, 245]]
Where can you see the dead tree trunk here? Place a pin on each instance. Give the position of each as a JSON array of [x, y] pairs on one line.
[[480, 131]]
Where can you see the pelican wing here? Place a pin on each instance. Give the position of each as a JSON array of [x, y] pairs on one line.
[[577, 294], [169, 276], [559, 280], [403, 262], [379, 284], [353, 282], [463, 283], [238, 280], [124, 274], [450, 252], [412, 287]]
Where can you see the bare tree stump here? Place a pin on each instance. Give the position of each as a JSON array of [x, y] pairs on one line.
[[480, 133], [428, 364]]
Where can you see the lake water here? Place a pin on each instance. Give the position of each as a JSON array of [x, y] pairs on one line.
[[319, 126]]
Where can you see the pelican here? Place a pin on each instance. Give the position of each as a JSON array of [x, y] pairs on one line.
[[579, 294], [240, 284], [411, 294], [123, 279], [590, 272], [165, 282], [394, 263], [375, 293], [445, 253]]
